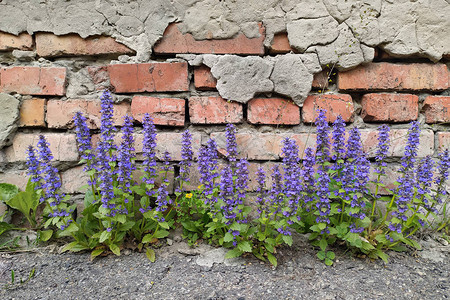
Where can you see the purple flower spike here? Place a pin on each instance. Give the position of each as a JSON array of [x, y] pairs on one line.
[[230, 134]]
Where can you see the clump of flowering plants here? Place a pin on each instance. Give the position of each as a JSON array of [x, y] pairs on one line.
[[326, 194]]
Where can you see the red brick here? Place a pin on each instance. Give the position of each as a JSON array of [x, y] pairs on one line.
[[214, 110], [164, 111], [437, 109], [263, 146], [74, 180], [8, 41], [280, 44], [335, 105], [203, 79], [398, 139], [398, 77], [389, 107], [173, 41], [150, 77], [33, 80], [62, 145], [443, 139], [99, 74], [276, 111], [32, 113], [50, 45], [60, 113], [18, 178]]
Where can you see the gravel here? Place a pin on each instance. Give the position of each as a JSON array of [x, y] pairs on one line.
[[181, 272]]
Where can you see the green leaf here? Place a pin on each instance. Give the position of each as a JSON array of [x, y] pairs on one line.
[[115, 249], [147, 238], [244, 246], [228, 237], [272, 259], [74, 246], [45, 235], [287, 239], [104, 236], [328, 262], [189, 225], [323, 244], [150, 253], [7, 191], [382, 255], [164, 225], [322, 226], [25, 202], [321, 255], [161, 234], [96, 253], [331, 255], [381, 238], [233, 253]]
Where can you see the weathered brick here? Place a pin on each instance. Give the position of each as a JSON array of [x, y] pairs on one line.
[[166, 141], [398, 77], [18, 178], [8, 41], [398, 139], [62, 145], [32, 113], [437, 109], [214, 110], [173, 41], [443, 140], [389, 107], [392, 175], [50, 45], [164, 111], [263, 146], [273, 111], [33, 80], [335, 105], [149, 77], [60, 113], [203, 79], [280, 44]]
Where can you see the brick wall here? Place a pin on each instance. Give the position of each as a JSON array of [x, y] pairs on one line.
[[55, 76]]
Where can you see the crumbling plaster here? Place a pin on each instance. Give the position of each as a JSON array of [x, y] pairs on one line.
[[342, 33]]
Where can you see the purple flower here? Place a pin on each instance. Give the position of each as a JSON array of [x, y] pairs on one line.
[[292, 185], [424, 179], [276, 191], [405, 191], [186, 156], [230, 134], [33, 165], [338, 139], [149, 153], [442, 175], [382, 150], [260, 201], [51, 182], [207, 166], [227, 194], [307, 173], [125, 157], [322, 142], [323, 205]]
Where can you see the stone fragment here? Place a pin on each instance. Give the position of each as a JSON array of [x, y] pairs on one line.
[[304, 33], [240, 78], [9, 111], [291, 78], [344, 52]]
